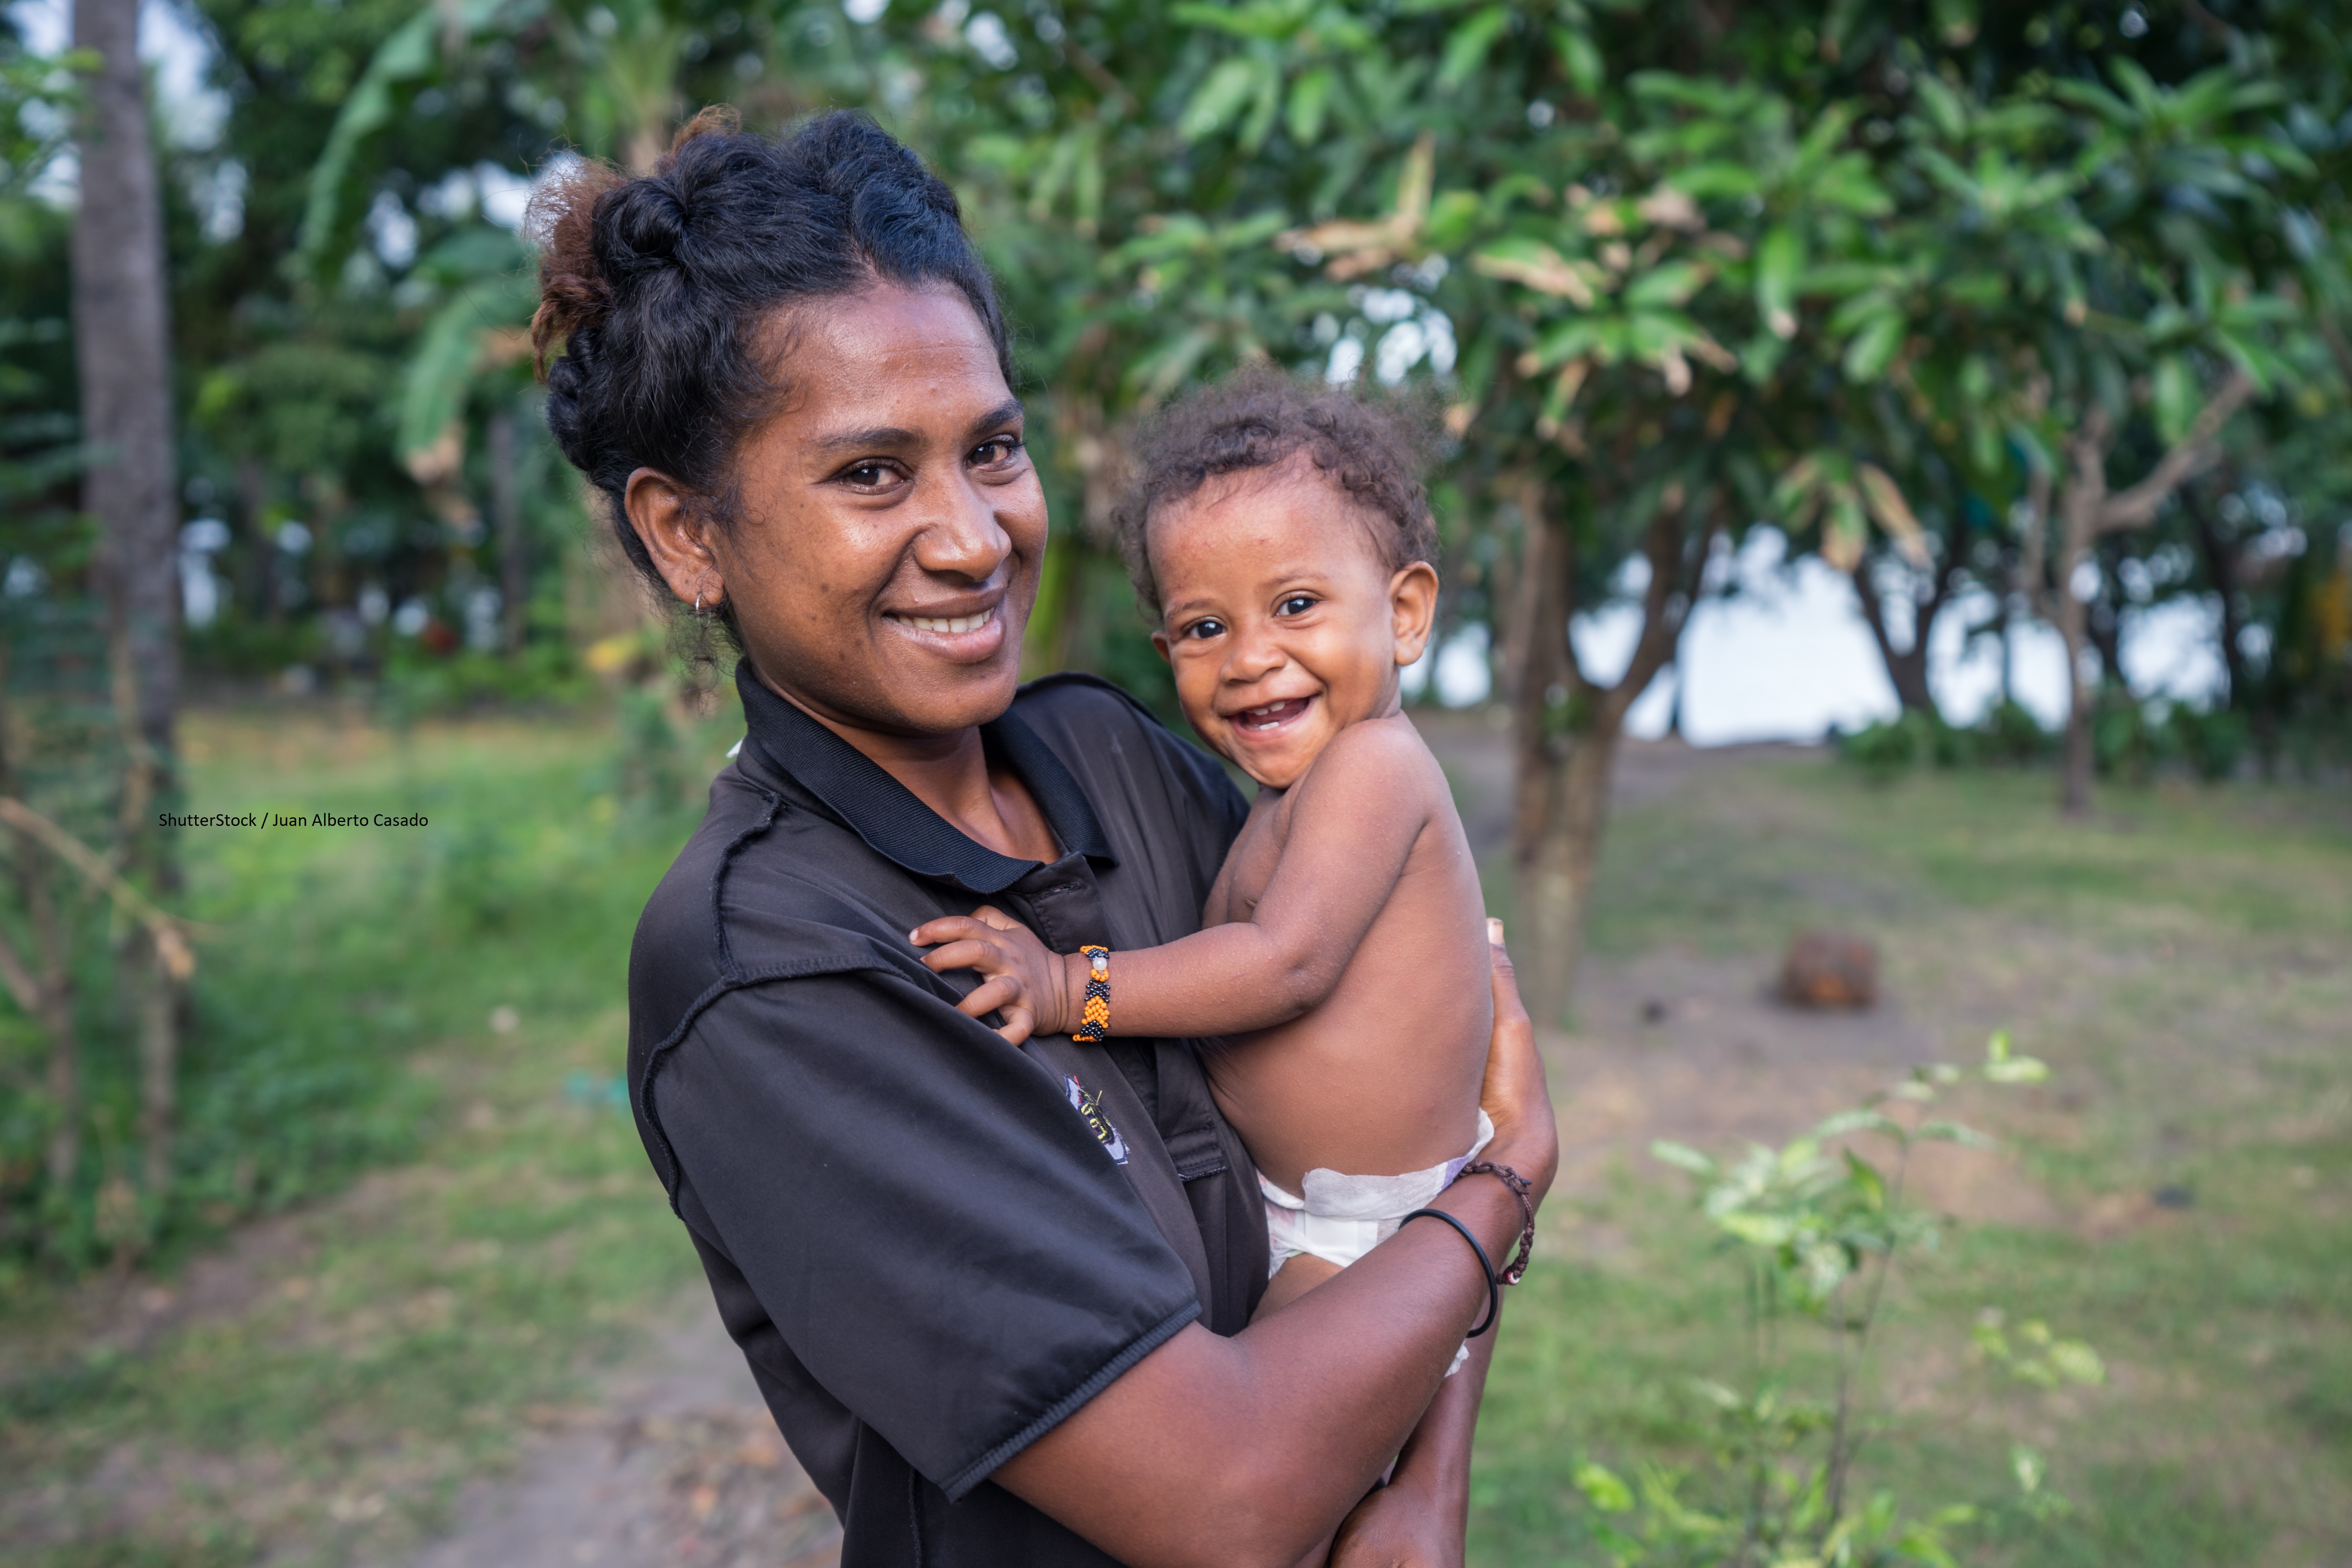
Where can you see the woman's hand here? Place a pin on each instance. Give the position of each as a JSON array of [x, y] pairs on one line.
[[1031, 986], [1515, 1095]]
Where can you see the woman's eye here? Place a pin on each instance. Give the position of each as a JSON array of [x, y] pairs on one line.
[[868, 475], [1297, 605], [996, 449]]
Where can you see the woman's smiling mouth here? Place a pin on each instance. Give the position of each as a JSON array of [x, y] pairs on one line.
[[947, 625]]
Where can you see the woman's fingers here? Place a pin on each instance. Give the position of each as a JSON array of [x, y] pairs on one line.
[[1503, 977], [1001, 992], [1514, 1094]]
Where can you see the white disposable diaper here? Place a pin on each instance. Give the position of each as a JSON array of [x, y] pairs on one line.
[[1342, 1217]]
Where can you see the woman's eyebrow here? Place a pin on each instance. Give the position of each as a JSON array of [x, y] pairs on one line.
[[877, 437], [1003, 412], [896, 437]]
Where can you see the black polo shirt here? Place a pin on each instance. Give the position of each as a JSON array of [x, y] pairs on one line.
[[932, 1246]]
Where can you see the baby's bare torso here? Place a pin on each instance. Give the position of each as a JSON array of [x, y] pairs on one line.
[[1381, 1077]]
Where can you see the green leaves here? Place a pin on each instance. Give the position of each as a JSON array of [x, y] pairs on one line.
[[1605, 1491], [1682, 1156], [2036, 1356], [1780, 258], [1465, 51], [1310, 99], [1872, 347], [1223, 94], [2001, 1066], [460, 340]]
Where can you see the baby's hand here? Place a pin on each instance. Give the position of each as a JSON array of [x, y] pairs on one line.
[[1030, 986]]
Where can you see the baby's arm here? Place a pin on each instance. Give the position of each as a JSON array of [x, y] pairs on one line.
[[1359, 812]]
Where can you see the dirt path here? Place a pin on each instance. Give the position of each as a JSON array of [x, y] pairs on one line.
[[676, 1464]]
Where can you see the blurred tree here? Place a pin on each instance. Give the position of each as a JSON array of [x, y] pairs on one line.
[[41, 538], [122, 342]]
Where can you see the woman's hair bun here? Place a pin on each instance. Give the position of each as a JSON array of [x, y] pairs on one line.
[[645, 223]]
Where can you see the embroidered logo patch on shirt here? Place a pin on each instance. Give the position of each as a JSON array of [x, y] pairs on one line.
[[1090, 1107]]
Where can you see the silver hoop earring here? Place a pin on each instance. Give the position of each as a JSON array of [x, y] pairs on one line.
[[697, 604]]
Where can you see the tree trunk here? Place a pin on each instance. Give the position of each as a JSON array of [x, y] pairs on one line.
[[120, 338], [55, 1012], [120, 346], [159, 1061], [1556, 882], [1566, 730], [2222, 569], [1907, 668], [2080, 503], [2074, 628], [2087, 510], [2007, 655], [1537, 644], [506, 513]]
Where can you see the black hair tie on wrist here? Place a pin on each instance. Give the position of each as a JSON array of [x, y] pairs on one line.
[[1486, 1267]]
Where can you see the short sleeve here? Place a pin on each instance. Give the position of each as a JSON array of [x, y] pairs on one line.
[[926, 1219]]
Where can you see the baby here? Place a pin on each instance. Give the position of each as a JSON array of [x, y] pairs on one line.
[[1284, 544]]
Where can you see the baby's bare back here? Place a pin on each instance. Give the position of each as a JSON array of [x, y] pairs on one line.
[[1381, 1077]]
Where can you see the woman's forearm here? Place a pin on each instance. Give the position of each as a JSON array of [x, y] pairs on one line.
[[1436, 1462], [1227, 1453]]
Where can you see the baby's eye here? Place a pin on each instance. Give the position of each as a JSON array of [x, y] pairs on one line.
[[1295, 605], [1202, 630]]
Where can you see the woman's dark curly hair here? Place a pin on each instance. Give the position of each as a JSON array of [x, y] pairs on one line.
[[1260, 418], [659, 289]]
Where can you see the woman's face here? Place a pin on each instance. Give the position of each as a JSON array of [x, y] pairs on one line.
[[884, 551]]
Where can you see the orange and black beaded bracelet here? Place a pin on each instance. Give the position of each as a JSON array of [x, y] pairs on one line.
[[1095, 1023]]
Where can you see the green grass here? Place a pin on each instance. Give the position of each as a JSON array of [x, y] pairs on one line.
[[381, 1346], [2184, 962]]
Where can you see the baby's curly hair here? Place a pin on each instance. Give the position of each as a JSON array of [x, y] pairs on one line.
[[1260, 418]]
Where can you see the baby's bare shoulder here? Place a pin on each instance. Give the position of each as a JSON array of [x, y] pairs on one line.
[[1384, 751], [1384, 755]]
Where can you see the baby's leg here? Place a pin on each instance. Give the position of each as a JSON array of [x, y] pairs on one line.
[[1299, 1273]]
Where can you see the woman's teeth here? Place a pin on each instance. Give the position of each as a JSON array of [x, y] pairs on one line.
[[1272, 715], [950, 623]]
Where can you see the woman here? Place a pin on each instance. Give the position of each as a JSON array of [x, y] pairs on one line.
[[997, 1299]]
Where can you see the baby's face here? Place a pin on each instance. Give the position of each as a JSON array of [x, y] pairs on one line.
[[1282, 618]]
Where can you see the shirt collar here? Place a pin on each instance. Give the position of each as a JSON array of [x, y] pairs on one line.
[[885, 814]]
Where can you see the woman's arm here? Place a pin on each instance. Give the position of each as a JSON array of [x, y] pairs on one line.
[[1228, 1453], [1421, 1517], [1358, 813]]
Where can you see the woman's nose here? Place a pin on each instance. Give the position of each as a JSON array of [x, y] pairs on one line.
[[961, 537]]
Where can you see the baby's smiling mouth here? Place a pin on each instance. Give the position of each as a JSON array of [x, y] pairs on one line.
[[1272, 715]]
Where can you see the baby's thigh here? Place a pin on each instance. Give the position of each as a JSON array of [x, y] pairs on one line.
[[1299, 1274]]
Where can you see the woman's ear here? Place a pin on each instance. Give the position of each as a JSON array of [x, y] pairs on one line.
[[677, 535], [1413, 608]]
